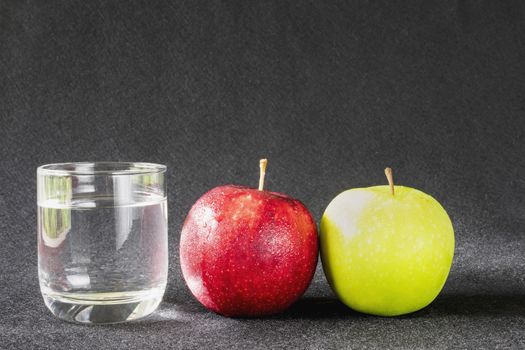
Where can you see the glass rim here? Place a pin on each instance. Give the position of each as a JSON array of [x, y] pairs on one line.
[[112, 168]]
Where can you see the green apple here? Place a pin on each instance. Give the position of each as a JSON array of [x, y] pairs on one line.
[[386, 250]]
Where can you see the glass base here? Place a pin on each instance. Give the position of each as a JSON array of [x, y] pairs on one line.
[[103, 308]]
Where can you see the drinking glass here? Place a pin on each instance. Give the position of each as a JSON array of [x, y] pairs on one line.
[[102, 239]]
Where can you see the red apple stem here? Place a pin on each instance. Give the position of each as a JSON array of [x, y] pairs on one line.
[[262, 166], [390, 177]]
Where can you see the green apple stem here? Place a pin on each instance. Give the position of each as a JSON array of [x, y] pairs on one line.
[[390, 176], [262, 166]]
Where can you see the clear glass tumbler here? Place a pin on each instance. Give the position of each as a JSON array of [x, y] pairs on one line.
[[102, 240]]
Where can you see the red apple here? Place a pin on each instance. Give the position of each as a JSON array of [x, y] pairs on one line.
[[248, 252]]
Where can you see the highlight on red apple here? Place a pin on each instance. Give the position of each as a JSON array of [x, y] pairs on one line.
[[248, 251]]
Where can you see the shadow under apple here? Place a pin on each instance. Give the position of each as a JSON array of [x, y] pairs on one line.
[[185, 314], [448, 304]]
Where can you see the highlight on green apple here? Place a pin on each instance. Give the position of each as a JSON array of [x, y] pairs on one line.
[[386, 250]]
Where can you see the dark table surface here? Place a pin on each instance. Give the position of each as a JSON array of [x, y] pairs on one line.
[[330, 92]]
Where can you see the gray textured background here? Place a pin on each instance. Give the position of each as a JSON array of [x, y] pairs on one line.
[[330, 92]]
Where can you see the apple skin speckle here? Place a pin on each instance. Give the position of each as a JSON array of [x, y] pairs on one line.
[[246, 252]]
